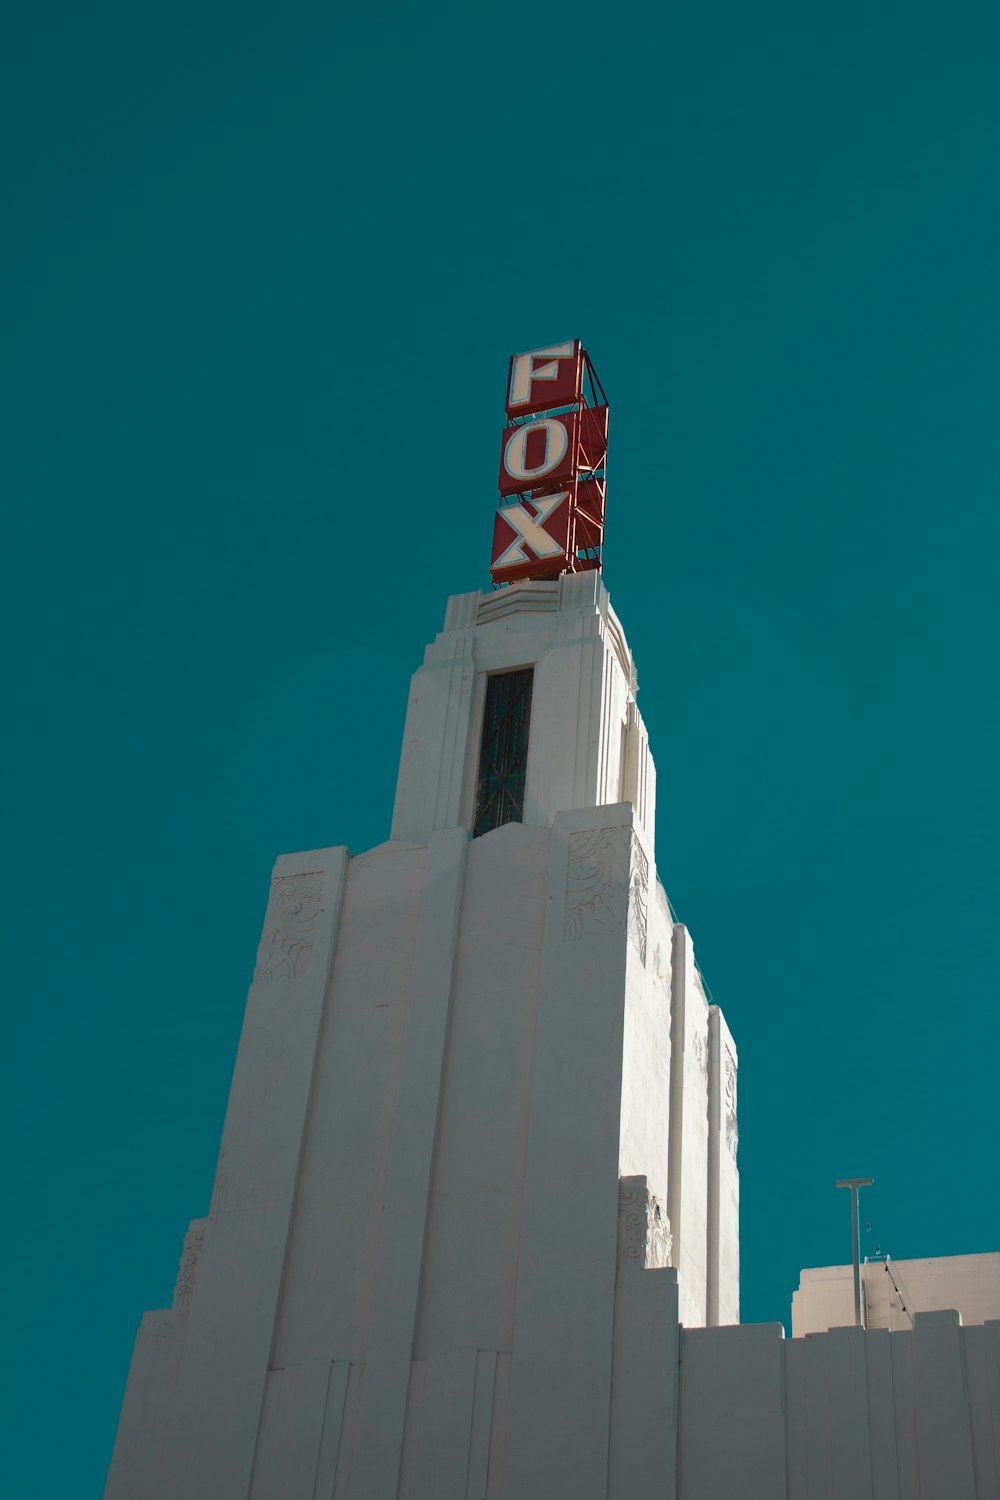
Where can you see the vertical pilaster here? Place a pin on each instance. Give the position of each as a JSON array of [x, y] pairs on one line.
[[209, 1451], [680, 967], [566, 718], [715, 1128], [435, 741], [941, 1406], [141, 1428], [563, 1328], [723, 1179], [646, 1383], [395, 1298]]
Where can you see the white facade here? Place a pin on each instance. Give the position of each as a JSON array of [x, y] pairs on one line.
[[479, 1089], [474, 1230], [968, 1284]]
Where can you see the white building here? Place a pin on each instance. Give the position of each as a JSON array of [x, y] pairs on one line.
[[893, 1292], [474, 1229], [479, 1085]]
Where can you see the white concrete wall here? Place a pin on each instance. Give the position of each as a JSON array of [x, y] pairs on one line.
[[474, 1083], [825, 1297], [846, 1414]]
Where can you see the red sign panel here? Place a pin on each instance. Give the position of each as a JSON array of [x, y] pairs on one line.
[[539, 454], [552, 467], [545, 378], [531, 538]]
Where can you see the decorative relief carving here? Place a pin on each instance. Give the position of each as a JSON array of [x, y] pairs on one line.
[[700, 1049], [661, 1242], [597, 882], [632, 1200], [188, 1269], [644, 1238], [606, 886], [286, 947], [637, 899], [729, 1089]]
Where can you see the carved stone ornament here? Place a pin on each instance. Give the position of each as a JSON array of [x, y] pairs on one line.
[[637, 923], [188, 1270], [606, 886], [732, 1129], [286, 947], [644, 1238]]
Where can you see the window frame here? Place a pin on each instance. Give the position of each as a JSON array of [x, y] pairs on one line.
[[504, 802]]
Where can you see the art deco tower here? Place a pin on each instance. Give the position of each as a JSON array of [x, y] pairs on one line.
[[479, 1157]]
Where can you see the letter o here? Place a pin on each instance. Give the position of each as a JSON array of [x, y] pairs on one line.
[[515, 453]]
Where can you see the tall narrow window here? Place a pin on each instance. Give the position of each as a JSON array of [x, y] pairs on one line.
[[503, 759]]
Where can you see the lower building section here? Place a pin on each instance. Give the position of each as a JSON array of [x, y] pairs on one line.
[[847, 1413], [474, 1232], [732, 1413], [475, 1077]]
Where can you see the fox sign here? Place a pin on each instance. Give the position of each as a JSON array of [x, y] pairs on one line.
[[552, 467]]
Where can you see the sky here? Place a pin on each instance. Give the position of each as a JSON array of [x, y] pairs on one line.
[[264, 267]]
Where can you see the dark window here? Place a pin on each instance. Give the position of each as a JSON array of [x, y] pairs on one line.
[[503, 759]]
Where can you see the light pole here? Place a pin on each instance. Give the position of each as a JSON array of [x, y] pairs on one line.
[[854, 1183]]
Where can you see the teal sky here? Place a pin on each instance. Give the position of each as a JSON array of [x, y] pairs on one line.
[[264, 267]]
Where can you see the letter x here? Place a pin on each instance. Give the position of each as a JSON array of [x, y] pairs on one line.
[[530, 529]]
